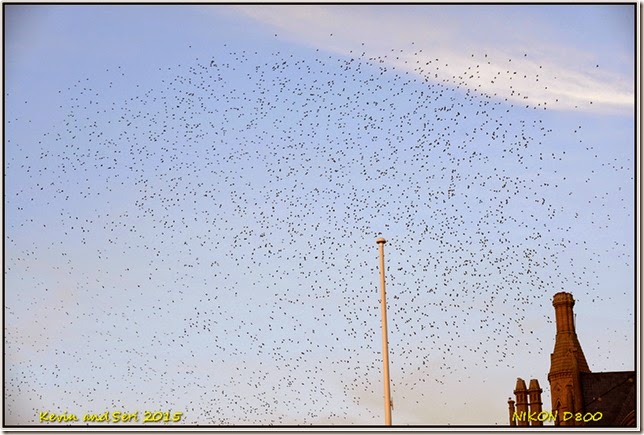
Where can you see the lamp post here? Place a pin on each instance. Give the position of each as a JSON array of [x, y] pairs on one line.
[[385, 348]]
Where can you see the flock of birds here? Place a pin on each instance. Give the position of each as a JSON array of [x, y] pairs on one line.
[[204, 242]]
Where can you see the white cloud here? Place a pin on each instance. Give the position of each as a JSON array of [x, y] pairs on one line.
[[523, 68]]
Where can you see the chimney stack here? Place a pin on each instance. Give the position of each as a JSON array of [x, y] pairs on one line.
[[512, 411], [567, 361], [534, 393], [566, 339], [521, 393]]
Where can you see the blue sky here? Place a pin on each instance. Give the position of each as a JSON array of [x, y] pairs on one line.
[[193, 195]]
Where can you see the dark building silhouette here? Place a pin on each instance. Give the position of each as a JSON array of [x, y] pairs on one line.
[[579, 396]]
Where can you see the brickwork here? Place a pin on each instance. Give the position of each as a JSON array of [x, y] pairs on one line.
[[534, 397], [612, 394], [574, 389], [566, 339], [566, 361], [512, 410], [528, 404], [521, 393]]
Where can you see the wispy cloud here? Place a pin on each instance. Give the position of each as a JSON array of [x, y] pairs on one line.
[[504, 59]]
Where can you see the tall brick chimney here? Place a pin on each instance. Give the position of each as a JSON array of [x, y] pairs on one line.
[[567, 360], [566, 340], [534, 394], [521, 393]]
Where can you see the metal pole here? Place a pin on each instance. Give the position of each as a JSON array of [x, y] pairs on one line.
[[385, 350]]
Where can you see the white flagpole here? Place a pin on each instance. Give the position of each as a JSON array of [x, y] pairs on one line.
[[385, 348]]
